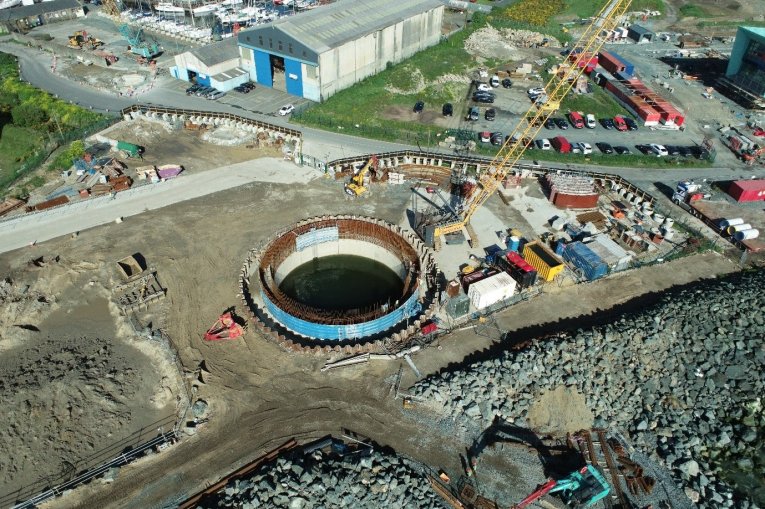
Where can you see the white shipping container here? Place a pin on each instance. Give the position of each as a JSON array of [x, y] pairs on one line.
[[491, 290]]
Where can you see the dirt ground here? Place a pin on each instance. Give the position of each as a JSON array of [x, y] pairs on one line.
[[259, 395], [73, 380]]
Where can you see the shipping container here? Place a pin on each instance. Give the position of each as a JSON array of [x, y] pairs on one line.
[[584, 259], [610, 63], [574, 201], [747, 190], [547, 264], [561, 144], [491, 290], [522, 271], [61, 200], [474, 277], [629, 69]]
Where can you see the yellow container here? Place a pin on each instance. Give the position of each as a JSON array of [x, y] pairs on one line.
[[543, 260]]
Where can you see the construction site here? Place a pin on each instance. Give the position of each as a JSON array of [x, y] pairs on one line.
[[195, 316]]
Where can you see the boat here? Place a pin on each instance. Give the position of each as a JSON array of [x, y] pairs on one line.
[[168, 7], [6, 4], [204, 9]]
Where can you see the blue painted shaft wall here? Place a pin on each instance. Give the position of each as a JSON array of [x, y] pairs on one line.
[[294, 75], [263, 68]]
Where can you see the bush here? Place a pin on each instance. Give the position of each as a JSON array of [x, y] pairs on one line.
[[28, 114], [66, 158]]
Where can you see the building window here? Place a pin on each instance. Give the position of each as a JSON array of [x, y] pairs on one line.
[[260, 40], [305, 54], [280, 46], [310, 72], [270, 43], [289, 48]]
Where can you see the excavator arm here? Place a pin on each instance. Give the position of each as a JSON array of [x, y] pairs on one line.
[[556, 89]]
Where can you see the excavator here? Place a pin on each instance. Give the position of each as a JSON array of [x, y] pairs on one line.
[[356, 186], [582, 488], [556, 89]]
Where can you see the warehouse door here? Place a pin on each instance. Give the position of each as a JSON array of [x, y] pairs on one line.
[[277, 71]]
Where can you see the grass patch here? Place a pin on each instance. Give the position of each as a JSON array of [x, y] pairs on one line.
[[583, 9], [648, 5], [17, 145], [598, 102], [693, 11], [730, 23]]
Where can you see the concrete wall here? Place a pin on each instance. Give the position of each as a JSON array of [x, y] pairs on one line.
[[340, 247], [350, 63]]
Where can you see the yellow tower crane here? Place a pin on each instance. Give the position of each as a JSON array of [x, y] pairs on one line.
[[557, 87]]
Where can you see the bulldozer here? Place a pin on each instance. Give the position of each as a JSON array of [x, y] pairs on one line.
[[81, 39]]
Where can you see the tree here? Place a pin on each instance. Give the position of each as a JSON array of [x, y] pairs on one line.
[[28, 115]]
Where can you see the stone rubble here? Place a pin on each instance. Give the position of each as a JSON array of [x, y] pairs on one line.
[[684, 377], [326, 481]]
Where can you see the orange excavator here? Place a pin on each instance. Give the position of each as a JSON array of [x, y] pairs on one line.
[[225, 328]]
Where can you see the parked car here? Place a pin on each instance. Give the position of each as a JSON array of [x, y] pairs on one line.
[[576, 120], [621, 150], [193, 89], [550, 123], [699, 152], [672, 150], [543, 144], [242, 89], [216, 95], [631, 124], [644, 149], [204, 91], [419, 106], [561, 123], [620, 124], [447, 110], [286, 109], [607, 123], [494, 81], [497, 138], [590, 119], [483, 98], [507, 83], [484, 136], [490, 114], [535, 91], [659, 150], [685, 151], [472, 114], [483, 87], [604, 147], [586, 148], [248, 84]]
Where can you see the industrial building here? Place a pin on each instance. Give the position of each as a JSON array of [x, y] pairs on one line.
[[24, 18], [640, 34], [745, 77], [215, 65], [317, 53]]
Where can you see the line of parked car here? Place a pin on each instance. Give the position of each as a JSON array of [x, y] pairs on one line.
[[579, 121], [213, 93]]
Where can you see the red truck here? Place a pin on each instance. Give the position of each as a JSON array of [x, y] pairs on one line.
[[576, 119], [620, 124], [561, 144]]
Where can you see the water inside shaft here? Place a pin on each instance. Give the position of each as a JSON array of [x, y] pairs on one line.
[[342, 282]]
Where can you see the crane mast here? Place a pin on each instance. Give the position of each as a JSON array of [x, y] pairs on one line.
[[556, 89]]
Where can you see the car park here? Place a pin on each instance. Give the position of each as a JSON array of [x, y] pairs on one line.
[[216, 95], [604, 147], [659, 150], [619, 123], [544, 144], [490, 114], [631, 124], [561, 123], [621, 150], [472, 114], [607, 123], [286, 109], [507, 83], [419, 106], [549, 123], [447, 110], [591, 122], [483, 87], [497, 138]]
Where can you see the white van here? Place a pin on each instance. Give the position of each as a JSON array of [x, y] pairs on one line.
[[590, 121], [544, 144], [494, 82]]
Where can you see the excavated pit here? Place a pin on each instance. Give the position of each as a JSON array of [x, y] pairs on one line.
[[340, 282]]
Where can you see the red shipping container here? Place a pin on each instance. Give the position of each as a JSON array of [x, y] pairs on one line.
[[575, 201], [747, 190], [610, 63]]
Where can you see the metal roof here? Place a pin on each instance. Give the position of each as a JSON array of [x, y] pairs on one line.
[[640, 30], [332, 25], [217, 53], [16, 13], [229, 74]]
